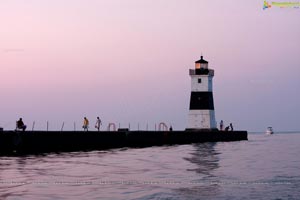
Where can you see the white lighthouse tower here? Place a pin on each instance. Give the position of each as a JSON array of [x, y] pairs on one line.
[[201, 113]]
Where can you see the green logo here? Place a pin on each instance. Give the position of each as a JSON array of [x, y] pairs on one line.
[[281, 4]]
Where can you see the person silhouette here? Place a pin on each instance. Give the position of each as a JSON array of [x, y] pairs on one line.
[[85, 124], [221, 125], [98, 124], [231, 126], [21, 125]]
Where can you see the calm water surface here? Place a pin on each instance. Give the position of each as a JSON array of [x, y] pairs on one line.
[[265, 167]]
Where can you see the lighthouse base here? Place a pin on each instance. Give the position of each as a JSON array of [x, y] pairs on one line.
[[201, 119]]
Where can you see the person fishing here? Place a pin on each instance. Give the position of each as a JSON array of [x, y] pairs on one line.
[[227, 128], [21, 125]]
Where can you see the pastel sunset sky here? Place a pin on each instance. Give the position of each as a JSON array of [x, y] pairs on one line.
[[127, 61]]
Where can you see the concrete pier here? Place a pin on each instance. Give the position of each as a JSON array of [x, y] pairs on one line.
[[35, 142]]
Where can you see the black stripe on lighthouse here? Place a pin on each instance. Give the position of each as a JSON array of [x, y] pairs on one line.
[[202, 101]]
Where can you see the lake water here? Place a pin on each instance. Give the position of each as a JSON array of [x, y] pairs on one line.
[[264, 167]]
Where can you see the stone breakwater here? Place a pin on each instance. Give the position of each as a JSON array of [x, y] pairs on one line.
[[28, 142]]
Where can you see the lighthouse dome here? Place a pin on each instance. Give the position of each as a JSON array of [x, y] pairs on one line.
[[201, 64], [201, 60]]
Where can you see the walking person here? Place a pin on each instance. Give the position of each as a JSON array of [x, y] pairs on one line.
[[98, 124], [221, 125], [85, 124]]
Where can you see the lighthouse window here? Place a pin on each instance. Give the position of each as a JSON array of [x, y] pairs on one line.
[[199, 80]]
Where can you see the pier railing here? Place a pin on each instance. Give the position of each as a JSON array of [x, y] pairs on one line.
[[77, 126]]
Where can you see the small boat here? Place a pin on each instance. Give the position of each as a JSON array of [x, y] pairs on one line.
[[269, 131]]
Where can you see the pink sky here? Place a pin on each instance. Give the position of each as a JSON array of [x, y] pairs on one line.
[[127, 61]]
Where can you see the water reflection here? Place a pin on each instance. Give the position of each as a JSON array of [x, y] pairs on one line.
[[205, 158], [204, 184], [11, 182], [200, 171]]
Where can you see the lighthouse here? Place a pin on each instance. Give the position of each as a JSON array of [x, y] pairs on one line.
[[201, 112]]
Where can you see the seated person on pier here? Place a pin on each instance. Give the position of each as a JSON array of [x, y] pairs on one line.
[[227, 128], [20, 125]]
